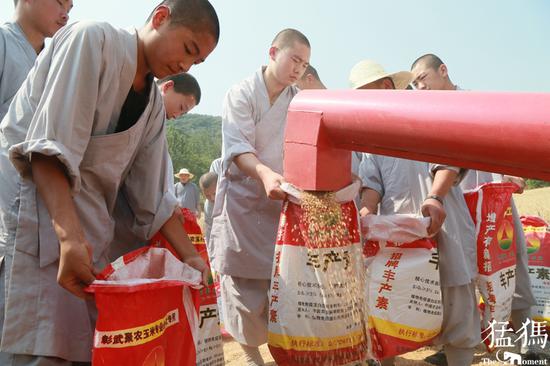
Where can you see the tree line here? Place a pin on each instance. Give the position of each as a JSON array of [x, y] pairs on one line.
[[194, 140]]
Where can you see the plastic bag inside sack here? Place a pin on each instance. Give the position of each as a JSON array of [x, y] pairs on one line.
[[345, 194], [398, 228], [148, 265]]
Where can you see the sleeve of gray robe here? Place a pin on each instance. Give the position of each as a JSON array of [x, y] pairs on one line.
[[2, 53], [63, 122], [216, 166], [3, 105], [460, 171], [238, 127], [369, 172], [198, 198], [3, 108]]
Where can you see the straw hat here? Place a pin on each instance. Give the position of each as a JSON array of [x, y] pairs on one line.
[[367, 71], [184, 171]]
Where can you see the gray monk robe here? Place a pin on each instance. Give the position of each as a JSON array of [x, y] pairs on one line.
[[245, 220], [403, 185], [17, 56], [69, 107]]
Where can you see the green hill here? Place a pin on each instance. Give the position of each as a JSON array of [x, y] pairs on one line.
[[194, 140]]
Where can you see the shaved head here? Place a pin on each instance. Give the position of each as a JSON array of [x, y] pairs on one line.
[[198, 15], [430, 73], [310, 79], [184, 83], [288, 37], [310, 70], [207, 180], [430, 60]]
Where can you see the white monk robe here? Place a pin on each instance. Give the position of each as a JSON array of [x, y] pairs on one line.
[[403, 185], [215, 167], [70, 106], [245, 220]]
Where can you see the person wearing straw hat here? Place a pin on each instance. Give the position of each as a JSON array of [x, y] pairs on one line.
[[400, 186], [187, 192], [431, 73], [368, 74]]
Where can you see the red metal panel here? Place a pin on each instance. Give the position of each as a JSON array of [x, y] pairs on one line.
[[501, 132]]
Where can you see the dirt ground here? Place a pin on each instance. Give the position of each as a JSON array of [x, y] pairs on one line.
[[234, 356]]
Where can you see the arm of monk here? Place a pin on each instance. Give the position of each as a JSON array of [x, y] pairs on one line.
[[249, 164], [75, 253]]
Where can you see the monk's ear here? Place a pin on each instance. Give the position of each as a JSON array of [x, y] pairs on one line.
[[443, 70], [273, 52], [387, 83], [167, 85], [160, 16]]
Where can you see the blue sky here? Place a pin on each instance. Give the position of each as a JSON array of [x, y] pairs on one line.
[[487, 44]]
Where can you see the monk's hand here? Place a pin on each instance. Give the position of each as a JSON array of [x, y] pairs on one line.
[[433, 209], [272, 184], [355, 178], [364, 212], [75, 268], [199, 264], [520, 182]]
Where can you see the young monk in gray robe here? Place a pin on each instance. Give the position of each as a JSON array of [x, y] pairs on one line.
[[180, 93], [246, 211], [88, 124], [430, 73], [20, 43], [403, 186]]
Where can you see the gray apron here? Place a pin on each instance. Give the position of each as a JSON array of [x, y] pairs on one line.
[[41, 317], [243, 234]]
